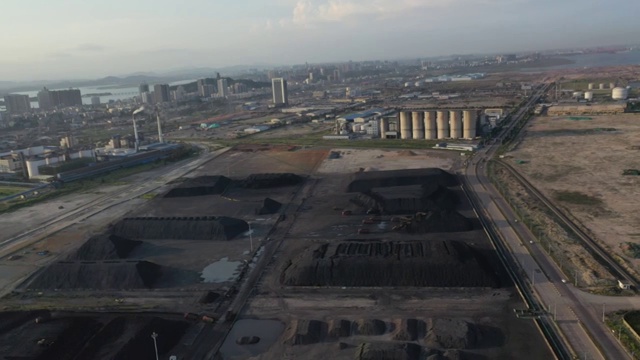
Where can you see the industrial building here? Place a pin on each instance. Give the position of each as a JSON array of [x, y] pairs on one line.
[[430, 125]]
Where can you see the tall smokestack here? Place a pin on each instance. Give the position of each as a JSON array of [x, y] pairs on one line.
[[160, 139], [135, 128]]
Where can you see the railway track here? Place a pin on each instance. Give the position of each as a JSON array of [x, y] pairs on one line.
[[589, 243], [511, 266]]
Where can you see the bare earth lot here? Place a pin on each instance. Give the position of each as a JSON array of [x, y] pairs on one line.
[[588, 157]]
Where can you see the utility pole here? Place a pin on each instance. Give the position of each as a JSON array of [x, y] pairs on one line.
[[603, 313], [250, 237], [155, 343]]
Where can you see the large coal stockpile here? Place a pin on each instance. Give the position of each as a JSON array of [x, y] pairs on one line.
[[266, 181], [186, 228], [105, 247], [98, 275], [409, 199], [203, 185], [392, 263], [366, 181], [436, 221], [388, 351], [269, 206]]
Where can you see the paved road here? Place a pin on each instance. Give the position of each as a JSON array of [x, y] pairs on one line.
[[69, 217], [572, 310]]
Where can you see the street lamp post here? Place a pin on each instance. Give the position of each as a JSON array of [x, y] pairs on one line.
[[154, 335], [250, 238]]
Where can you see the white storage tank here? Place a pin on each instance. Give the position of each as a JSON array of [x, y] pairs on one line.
[[619, 93], [442, 121], [601, 86], [383, 128], [405, 125], [577, 94], [588, 95], [590, 86], [469, 123], [417, 125], [455, 123], [430, 125]]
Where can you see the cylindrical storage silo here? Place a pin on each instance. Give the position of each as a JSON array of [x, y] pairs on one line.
[[417, 125], [455, 123], [430, 125], [383, 128], [619, 93], [469, 121], [442, 122], [405, 125], [590, 86], [588, 95], [601, 86]]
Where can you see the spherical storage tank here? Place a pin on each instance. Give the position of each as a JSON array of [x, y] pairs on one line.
[[588, 95], [619, 93]]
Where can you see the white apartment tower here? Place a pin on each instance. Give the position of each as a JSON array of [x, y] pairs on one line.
[[280, 93]]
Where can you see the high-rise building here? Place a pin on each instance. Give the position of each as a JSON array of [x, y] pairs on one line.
[[239, 88], [95, 100], [44, 99], [17, 104], [161, 93], [147, 97], [280, 93], [223, 87], [202, 90], [48, 99], [336, 75], [63, 98], [143, 88]]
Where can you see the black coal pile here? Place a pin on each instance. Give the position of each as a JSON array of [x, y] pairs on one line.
[[180, 228], [98, 275], [408, 199], [460, 334], [132, 336], [269, 206], [366, 181], [391, 263], [202, 185], [305, 332], [267, 181], [104, 247], [436, 221], [388, 351]]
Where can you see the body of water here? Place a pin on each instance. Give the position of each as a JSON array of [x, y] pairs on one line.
[[117, 92], [597, 60]]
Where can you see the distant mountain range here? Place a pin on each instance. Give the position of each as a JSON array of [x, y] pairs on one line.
[[133, 79]]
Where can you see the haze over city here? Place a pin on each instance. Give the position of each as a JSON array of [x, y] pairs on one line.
[[88, 39]]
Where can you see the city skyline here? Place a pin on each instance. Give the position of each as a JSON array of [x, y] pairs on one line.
[[94, 40]]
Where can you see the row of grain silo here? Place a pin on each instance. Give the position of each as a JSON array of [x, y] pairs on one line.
[[440, 124]]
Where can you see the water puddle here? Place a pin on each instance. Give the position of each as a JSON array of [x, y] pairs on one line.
[[221, 271], [267, 330]]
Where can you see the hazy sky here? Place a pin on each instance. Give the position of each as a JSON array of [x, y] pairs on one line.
[[55, 39]]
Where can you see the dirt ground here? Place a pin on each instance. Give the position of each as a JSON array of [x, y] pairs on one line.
[[588, 157], [315, 221], [319, 221]]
